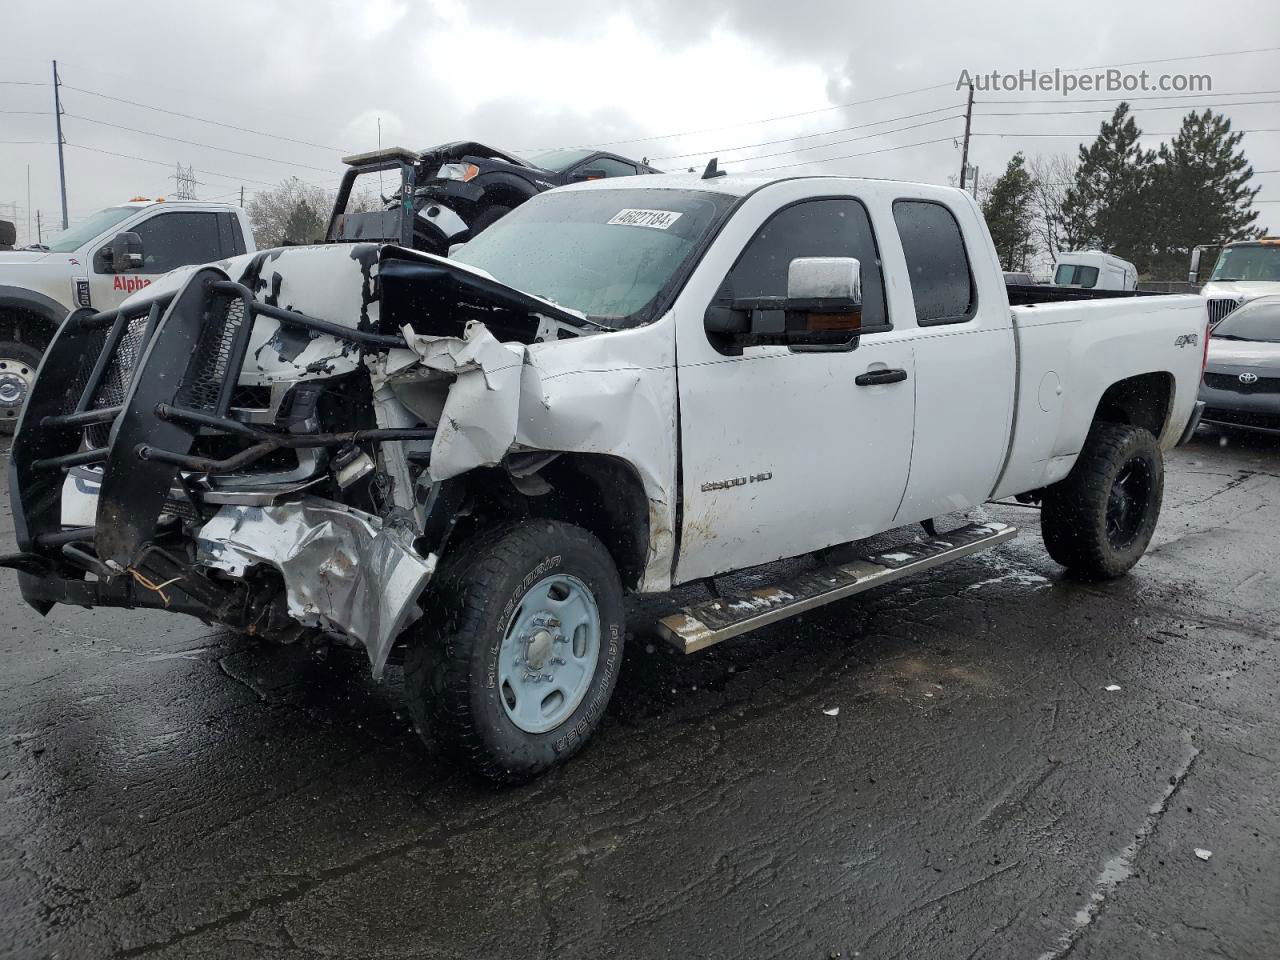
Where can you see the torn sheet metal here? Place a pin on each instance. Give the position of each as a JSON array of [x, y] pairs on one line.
[[611, 394], [343, 570], [476, 425]]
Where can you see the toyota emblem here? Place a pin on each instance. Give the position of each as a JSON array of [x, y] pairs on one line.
[[1248, 378]]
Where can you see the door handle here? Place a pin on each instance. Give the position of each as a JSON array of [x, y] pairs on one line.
[[874, 378]]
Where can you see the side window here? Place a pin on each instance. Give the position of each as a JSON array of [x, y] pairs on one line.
[[813, 228], [1087, 276], [175, 239], [941, 281], [610, 167]]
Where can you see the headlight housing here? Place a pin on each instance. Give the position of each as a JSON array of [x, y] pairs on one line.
[[457, 171]]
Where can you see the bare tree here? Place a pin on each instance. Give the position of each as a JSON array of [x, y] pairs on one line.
[[1052, 175], [298, 212]]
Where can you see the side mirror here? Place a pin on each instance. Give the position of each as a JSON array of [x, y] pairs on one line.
[[126, 252], [589, 174], [823, 307], [824, 300], [1194, 275]]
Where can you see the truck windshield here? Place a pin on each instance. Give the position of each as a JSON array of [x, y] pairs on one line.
[[559, 160], [606, 253], [1259, 320], [84, 231], [1253, 261]]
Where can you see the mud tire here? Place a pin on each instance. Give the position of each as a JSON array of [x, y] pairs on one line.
[[452, 662], [1099, 519]]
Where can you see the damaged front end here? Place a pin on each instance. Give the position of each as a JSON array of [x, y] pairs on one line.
[[220, 449]]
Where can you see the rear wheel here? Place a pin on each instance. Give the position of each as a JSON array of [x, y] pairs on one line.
[[1099, 520], [18, 364], [513, 667]]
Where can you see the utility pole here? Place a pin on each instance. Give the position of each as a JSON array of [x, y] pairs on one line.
[[39, 232], [57, 119], [975, 183], [242, 195], [964, 153], [28, 204]]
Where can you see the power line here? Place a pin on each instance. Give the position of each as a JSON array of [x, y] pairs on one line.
[[26, 113], [216, 123], [1158, 96], [1196, 56], [904, 93], [1172, 106], [747, 123], [1087, 136], [233, 178], [803, 136], [25, 83], [836, 143], [197, 143], [849, 156]]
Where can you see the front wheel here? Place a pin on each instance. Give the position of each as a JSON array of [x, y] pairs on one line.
[[18, 364], [1100, 518], [515, 662]]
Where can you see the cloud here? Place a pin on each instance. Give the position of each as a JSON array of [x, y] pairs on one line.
[[677, 76]]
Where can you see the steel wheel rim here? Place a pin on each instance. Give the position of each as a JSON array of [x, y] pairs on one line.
[[549, 653], [1127, 503], [15, 384]]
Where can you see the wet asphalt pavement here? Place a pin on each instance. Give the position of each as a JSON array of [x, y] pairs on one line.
[[171, 790]]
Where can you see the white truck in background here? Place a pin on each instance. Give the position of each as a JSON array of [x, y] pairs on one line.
[[621, 385], [97, 263], [1093, 270], [1245, 269]]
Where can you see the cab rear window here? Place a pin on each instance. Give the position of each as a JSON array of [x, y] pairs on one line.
[[941, 281]]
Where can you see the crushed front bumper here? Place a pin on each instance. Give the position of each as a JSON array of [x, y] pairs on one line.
[[129, 391]]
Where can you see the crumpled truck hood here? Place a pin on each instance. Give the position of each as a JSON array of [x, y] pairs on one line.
[[353, 285], [466, 334]]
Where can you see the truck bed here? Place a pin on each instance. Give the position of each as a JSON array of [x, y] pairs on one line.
[[1021, 295], [1070, 351]]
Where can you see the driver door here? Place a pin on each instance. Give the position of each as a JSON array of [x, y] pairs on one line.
[[782, 450], [170, 239]]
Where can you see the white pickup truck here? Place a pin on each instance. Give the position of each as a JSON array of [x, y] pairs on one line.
[[618, 386], [98, 263]]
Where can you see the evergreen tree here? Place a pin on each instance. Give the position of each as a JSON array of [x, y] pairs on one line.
[[303, 225], [1009, 214], [1109, 204], [1201, 191]]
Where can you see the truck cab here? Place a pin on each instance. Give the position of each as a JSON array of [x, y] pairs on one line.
[[96, 264], [1244, 270]]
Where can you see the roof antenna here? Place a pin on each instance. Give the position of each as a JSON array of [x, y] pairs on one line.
[[712, 170]]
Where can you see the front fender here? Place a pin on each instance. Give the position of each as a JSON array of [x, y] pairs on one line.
[[17, 297]]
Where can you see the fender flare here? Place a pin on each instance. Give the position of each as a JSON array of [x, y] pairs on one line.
[[30, 301], [508, 183]]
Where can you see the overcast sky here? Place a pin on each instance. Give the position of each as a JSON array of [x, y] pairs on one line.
[[681, 79]]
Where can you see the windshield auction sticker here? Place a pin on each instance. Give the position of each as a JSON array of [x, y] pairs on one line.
[[657, 219]]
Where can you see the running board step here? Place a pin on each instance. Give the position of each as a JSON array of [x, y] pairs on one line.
[[698, 627]]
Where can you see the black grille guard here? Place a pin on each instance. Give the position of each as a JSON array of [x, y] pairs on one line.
[[129, 390]]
